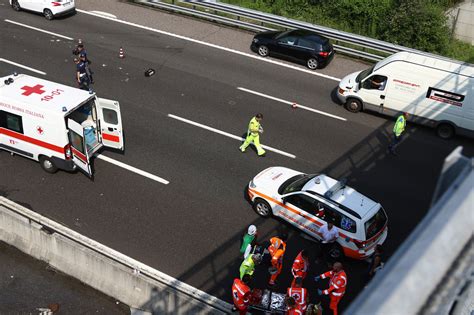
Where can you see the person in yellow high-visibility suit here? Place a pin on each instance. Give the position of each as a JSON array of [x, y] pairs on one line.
[[253, 135]]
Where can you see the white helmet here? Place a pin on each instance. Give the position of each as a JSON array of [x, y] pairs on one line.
[[252, 230]]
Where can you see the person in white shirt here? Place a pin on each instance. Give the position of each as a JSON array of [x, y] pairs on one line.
[[329, 235]]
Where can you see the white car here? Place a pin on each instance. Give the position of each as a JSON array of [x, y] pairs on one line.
[[307, 201], [50, 9]]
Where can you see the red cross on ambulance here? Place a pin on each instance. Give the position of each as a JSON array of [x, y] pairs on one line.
[[32, 89]]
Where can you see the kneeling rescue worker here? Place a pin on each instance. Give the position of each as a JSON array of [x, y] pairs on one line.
[[337, 285], [248, 265], [241, 294]]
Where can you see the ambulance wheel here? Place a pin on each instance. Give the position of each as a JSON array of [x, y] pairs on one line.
[[445, 131], [353, 105], [262, 208], [48, 165], [48, 14], [16, 5]]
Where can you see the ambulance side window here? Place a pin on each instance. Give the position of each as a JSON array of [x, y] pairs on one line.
[[77, 141], [302, 201], [11, 121], [340, 220]]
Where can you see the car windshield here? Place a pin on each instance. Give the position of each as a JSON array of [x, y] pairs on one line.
[[364, 74], [296, 183], [375, 224]]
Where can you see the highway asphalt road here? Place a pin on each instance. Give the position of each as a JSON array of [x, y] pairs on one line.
[[190, 228]]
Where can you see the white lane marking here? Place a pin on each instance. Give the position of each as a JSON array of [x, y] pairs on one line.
[[214, 46], [22, 66], [39, 29], [132, 169], [291, 103], [228, 135], [105, 14]]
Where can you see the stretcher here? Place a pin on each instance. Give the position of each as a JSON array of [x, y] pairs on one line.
[[268, 302]]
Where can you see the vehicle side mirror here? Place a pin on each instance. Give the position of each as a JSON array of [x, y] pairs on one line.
[[283, 200]]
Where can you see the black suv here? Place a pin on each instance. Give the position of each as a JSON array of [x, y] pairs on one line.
[[301, 46]]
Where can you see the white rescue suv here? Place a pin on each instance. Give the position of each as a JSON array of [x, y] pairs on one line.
[[59, 126], [307, 201]]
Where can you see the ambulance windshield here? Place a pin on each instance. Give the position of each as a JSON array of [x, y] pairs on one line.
[[296, 183]]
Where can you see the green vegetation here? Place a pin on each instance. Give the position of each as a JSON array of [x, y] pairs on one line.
[[419, 24]]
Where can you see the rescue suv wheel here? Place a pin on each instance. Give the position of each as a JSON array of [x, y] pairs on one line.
[[48, 14], [262, 208], [445, 131], [353, 105], [48, 165], [16, 5], [336, 252]]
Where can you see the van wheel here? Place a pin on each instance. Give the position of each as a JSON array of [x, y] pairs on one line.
[[353, 105], [336, 252], [262, 208], [48, 14], [445, 131], [48, 165], [16, 5], [312, 63]]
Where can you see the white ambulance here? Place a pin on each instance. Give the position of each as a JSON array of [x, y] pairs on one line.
[[59, 126], [435, 91]]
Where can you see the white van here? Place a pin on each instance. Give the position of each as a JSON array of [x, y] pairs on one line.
[[435, 91], [57, 125]]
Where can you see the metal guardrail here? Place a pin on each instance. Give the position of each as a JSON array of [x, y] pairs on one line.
[[260, 21]]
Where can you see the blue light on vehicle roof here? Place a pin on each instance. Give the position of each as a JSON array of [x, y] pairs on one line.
[[64, 109]]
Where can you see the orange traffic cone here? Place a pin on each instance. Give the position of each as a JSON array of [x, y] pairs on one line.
[[121, 53]]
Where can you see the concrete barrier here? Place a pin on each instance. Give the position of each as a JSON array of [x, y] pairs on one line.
[[119, 276]]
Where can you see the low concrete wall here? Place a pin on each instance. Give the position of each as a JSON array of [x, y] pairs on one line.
[[100, 267]]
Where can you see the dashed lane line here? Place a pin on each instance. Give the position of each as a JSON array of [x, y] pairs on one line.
[[132, 169], [291, 103], [38, 29], [22, 66], [228, 134]]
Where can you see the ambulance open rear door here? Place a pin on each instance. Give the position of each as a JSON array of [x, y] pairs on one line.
[[80, 155], [110, 121]]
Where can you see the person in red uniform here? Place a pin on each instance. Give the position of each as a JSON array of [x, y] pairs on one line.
[[337, 285], [277, 250], [241, 294], [300, 266], [299, 293]]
